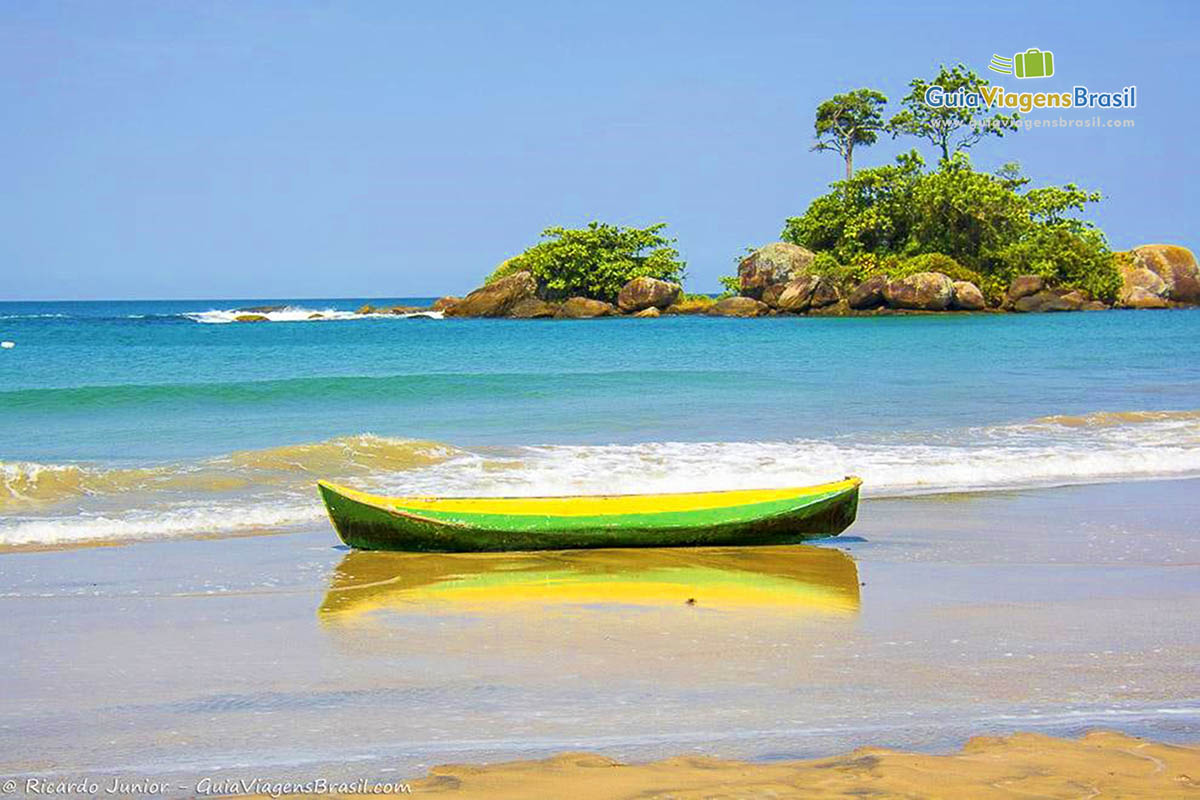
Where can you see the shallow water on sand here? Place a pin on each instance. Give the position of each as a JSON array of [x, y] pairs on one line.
[[932, 619]]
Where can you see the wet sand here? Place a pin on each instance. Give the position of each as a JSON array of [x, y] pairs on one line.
[[933, 620]]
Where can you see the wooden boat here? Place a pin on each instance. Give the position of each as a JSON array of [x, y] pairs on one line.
[[480, 524], [790, 579]]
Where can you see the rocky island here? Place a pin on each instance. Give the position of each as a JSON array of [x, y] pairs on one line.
[[780, 279]]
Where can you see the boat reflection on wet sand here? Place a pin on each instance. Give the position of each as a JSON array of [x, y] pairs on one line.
[[801, 579]]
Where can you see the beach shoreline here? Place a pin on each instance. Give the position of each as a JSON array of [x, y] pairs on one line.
[[933, 620]]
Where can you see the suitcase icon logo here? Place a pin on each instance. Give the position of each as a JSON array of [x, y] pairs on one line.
[[1033, 63]]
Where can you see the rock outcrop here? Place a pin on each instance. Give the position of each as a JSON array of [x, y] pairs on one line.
[[1144, 282], [967, 297], [775, 263], [533, 308], [250, 318], [585, 308], [1046, 300], [1023, 286], [801, 294], [739, 307], [652, 311], [691, 305], [869, 293], [641, 293], [923, 291], [1175, 265], [1137, 297], [445, 303], [497, 298]]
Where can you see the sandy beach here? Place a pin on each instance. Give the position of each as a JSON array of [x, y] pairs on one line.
[[1099, 764], [934, 620]]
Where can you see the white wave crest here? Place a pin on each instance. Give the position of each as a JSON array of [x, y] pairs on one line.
[[1038, 454], [1054, 451], [296, 314], [144, 524]]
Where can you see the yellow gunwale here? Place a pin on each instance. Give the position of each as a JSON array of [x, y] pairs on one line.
[[591, 505]]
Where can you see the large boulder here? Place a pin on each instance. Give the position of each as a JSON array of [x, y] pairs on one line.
[[778, 262], [922, 291], [251, 318], [825, 293], [585, 308], [967, 297], [646, 292], [696, 304], [1134, 278], [1024, 286], [739, 307], [533, 308], [445, 303], [803, 293], [1137, 297], [652, 311], [770, 295], [869, 293], [839, 309], [1046, 300], [497, 298], [1175, 265]]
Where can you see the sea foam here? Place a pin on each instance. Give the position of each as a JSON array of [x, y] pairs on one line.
[[272, 489], [297, 314]]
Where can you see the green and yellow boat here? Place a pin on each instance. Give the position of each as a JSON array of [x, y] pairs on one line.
[[491, 524]]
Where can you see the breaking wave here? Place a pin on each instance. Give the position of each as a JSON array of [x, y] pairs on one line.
[[272, 489], [297, 314]]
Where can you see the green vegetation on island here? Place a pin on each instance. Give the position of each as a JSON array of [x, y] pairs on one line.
[[905, 236], [989, 228], [596, 261]]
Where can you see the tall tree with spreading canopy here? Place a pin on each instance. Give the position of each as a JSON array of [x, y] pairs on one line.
[[951, 129], [847, 120]]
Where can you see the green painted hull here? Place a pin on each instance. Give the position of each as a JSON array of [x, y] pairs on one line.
[[367, 522]]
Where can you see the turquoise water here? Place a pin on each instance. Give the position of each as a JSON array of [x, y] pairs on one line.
[[149, 419]]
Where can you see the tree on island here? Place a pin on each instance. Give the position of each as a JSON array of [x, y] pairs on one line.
[[902, 217], [847, 120], [596, 261], [951, 129], [892, 218]]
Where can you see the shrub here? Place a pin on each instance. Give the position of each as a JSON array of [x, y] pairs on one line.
[[843, 275], [1077, 260], [731, 284], [970, 225], [596, 261]]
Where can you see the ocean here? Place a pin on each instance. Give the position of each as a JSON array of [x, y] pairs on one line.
[[166, 419]]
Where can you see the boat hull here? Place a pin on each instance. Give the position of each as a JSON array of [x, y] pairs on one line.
[[715, 519]]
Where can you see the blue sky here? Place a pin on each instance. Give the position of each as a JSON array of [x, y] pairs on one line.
[[298, 149]]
